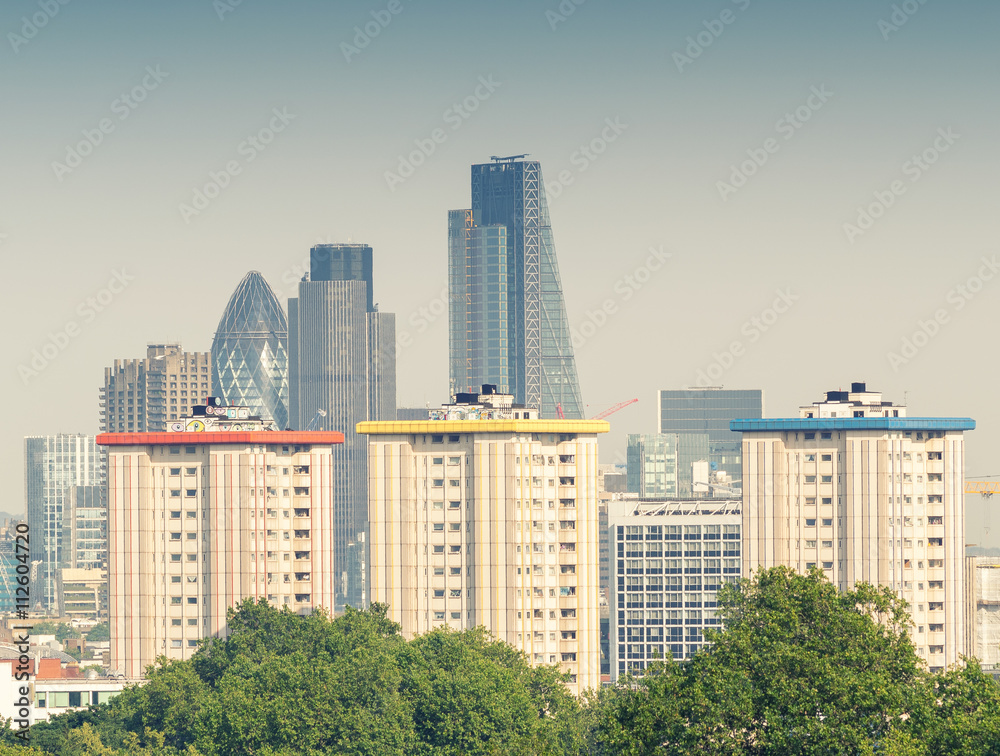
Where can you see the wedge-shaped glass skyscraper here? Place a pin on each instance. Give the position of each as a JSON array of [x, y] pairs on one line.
[[250, 353], [508, 322]]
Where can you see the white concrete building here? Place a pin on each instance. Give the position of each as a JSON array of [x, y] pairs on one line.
[[670, 560], [200, 520], [865, 493], [986, 607], [486, 515]]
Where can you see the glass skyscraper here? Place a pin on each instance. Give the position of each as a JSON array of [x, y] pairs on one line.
[[249, 351], [710, 411], [342, 360], [53, 465], [508, 323]]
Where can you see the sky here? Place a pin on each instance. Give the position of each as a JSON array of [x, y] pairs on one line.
[[780, 195]]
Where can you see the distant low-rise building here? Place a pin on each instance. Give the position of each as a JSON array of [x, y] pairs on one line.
[[83, 593]]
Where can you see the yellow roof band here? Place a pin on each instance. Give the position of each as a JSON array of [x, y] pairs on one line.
[[406, 427]]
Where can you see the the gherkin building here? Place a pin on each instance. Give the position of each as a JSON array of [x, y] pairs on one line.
[[250, 351]]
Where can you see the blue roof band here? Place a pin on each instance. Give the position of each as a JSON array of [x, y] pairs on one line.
[[855, 423]]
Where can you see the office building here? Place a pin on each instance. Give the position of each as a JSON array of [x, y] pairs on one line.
[[146, 395], [508, 323], [52, 466], [671, 558], [486, 515], [710, 411], [670, 465], [652, 465], [198, 521], [85, 528], [8, 565], [249, 351], [342, 363], [858, 489]]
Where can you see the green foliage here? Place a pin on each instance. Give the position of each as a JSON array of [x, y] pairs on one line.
[[800, 669], [61, 630], [281, 683], [803, 669], [99, 632]]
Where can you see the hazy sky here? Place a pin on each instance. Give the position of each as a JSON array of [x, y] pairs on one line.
[[840, 158]]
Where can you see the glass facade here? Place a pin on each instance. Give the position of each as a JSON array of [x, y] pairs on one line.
[[652, 465], [661, 465], [508, 323], [52, 465], [249, 351], [342, 360], [668, 571], [710, 411], [85, 528]]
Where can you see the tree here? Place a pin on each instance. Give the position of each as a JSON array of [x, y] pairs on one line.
[[61, 630], [800, 668], [962, 712], [472, 694], [99, 632]]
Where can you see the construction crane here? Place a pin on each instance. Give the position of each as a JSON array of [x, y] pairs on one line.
[[315, 421], [614, 409], [986, 489]]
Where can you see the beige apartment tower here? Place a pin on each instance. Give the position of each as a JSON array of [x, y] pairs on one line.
[[200, 520], [858, 489], [485, 515]]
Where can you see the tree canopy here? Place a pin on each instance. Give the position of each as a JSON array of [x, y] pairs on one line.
[[281, 683], [799, 668]]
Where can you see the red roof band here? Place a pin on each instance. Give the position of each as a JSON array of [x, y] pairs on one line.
[[207, 438]]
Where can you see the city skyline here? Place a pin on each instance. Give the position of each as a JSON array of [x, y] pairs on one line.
[[708, 197]]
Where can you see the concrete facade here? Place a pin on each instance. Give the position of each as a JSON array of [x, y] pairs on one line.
[[490, 522], [198, 522], [855, 487]]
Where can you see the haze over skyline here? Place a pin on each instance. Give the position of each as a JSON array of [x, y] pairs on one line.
[[783, 196]]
